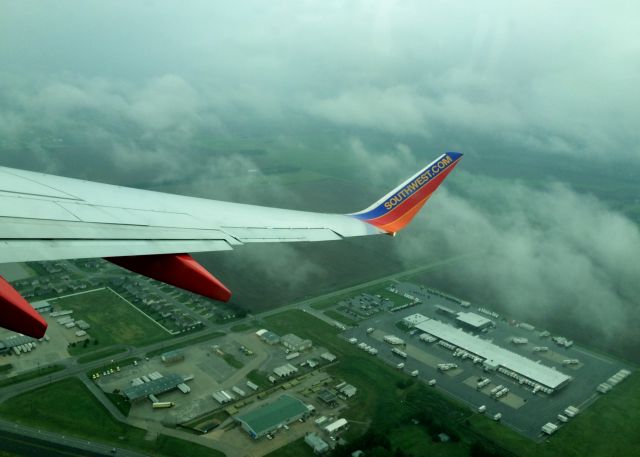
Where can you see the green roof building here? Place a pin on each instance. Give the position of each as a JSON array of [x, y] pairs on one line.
[[268, 418]]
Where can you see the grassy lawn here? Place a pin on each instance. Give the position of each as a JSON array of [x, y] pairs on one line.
[[615, 416], [113, 320], [31, 375], [119, 402], [231, 360], [239, 328], [67, 407], [100, 354], [296, 449], [340, 317], [259, 378], [415, 440], [190, 342]]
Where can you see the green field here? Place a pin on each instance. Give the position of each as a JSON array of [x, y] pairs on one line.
[[298, 448], [417, 441], [42, 371], [113, 321], [340, 317], [190, 342], [100, 354], [233, 361], [67, 407], [259, 378], [610, 427]]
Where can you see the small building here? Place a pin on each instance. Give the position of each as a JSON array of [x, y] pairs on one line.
[[473, 321], [285, 370], [171, 357], [295, 343], [316, 443], [336, 426], [83, 325], [268, 337], [42, 306], [549, 428], [327, 397], [329, 357], [414, 319], [270, 417], [348, 391], [446, 311], [153, 387]]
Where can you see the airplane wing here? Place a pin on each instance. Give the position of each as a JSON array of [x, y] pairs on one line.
[[45, 217]]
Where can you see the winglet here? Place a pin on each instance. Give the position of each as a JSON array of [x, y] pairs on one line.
[[394, 211], [17, 314]]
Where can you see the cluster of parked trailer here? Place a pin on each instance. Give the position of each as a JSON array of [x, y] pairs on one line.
[[465, 355], [499, 391], [24, 348], [369, 349]]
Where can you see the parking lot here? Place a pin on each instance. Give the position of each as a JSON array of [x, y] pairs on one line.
[[520, 408]]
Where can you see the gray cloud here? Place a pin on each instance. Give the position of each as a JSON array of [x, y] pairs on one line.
[[530, 75], [539, 254], [150, 93]]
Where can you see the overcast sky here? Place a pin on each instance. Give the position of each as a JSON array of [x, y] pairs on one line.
[[555, 76], [140, 81]]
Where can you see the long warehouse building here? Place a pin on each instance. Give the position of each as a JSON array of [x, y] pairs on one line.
[[495, 355]]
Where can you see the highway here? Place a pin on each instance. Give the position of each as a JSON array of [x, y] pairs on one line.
[[27, 441]]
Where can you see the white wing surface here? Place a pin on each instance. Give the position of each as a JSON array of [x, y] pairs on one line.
[[45, 217]]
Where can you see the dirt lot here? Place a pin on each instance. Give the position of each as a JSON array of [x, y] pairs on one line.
[[46, 352]]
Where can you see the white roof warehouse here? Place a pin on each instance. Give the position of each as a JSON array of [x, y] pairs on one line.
[[536, 372]]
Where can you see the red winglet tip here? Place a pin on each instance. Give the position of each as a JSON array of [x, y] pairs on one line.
[[180, 270], [17, 314]]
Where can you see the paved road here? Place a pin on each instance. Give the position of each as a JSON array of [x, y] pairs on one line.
[[27, 441]]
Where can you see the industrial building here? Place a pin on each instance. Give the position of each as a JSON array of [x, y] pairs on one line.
[[285, 370], [329, 357], [336, 426], [295, 343], [473, 321], [414, 319], [347, 390], [271, 417], [496, 357], [14, 342], [156, 386], [42, 306], [268, 337], [171, 357]]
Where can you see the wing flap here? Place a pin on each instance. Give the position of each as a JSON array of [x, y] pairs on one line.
[[280, 234], [38, 250]]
